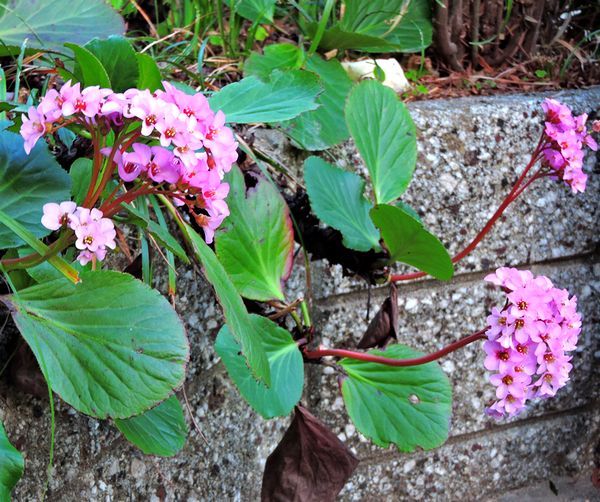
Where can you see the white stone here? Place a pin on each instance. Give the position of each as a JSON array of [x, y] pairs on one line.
[[411, 304], [394, 75], [409, 466]]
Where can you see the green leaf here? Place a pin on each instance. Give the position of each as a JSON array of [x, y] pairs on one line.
[[88, 68], [109, 346], [381, 26], [11, 465], [274, 57], [40, 248], [338, 38], [408, 242], [27, 182], [43, 272], [150, 77], [414, 30], [160, 431], [337, 198], [255, 243], [81, 177], [408, 406], [285, 362], [48, 25], [325, 126], [118, 59], [385, 136], [258, 11], [234, 310], [251, 100]]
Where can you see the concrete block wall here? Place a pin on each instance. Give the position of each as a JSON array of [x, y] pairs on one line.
[[470, 152]]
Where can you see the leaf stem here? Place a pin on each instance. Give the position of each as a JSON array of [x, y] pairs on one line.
[[516, 190], [39, 247], [362, 356], [305, 314]]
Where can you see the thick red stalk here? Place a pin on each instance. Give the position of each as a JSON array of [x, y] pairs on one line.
[[362, 356]]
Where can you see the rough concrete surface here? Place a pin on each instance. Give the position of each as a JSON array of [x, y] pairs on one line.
[[470, 151]]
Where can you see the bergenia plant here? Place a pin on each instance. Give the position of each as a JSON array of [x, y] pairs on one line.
[[112, 347]]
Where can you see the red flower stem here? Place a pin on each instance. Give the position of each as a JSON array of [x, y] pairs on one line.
[[127, 197], [110, 164], [371, 358], [33, 259], [512, 195], [96, 165], [111, 195]]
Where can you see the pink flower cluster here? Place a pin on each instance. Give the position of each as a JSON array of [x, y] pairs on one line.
[[186, 146], [94, 232], [565, 138], [528, 340]]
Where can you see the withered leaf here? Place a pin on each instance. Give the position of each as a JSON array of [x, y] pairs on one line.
[[385, 323], [309, 464]]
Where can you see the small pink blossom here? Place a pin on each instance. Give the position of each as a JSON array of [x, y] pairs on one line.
[[148, 109], [58, 215], [34, 126], [87, 256], [563, 149]]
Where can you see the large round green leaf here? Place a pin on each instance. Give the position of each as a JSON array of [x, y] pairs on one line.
[[48, 25], [150, 77], [274, 57], [285, 361], [255, 243], [381, 26], [119, 60], [257, 11], [385, 136], [408, 406], [27, 182], [337, 198], [285, 96], [11, 465], [408, 242], [88, 69], [160, 431], [109, 346], [324, 127]]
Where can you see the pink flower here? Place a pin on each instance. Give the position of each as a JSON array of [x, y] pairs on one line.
[[164, 167], [70, 98], [513, 382], [49, 105], [195, 107], [58, 215], [148, 109], [92, 230], [563, 149], [209, 224], [173, 127], [158, 162], [34, 126], [528, 340], [222, 145], [87, 256]]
